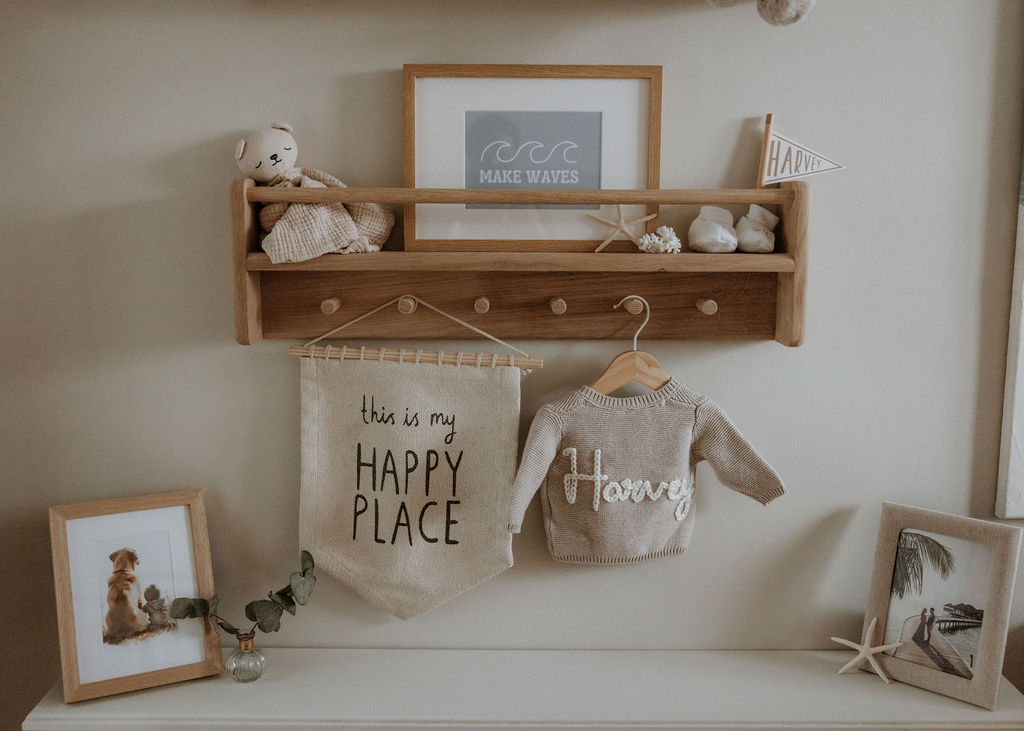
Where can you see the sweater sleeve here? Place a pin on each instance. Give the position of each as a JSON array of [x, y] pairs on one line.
[[541, 446], [735, 461]]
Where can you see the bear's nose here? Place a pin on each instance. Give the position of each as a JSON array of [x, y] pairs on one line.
[[274, 156]]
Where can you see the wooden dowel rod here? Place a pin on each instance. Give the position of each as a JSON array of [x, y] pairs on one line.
[[633, 306], [457, 196], [707, 306], [394, 355]]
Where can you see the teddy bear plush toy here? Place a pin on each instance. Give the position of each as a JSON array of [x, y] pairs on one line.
[[301, 231]]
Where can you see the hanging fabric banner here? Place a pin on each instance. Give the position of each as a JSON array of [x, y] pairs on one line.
[[407, 473], [783, 159]]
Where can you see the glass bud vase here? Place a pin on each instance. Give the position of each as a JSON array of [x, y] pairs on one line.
[[247, 663]]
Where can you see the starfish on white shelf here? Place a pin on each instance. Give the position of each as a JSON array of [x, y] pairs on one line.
[[866, 652], [620, 225]]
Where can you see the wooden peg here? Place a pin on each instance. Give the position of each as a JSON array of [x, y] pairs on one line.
[[707, 306], [482, 305], [407, 305], [331, 305], [558, 305], [633, 306]]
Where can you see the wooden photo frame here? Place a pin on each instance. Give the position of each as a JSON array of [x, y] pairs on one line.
[[117, 565], [942, 585], [544, 127], [1010, 483]]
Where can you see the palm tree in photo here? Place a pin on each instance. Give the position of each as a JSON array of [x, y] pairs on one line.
[[912, 553]]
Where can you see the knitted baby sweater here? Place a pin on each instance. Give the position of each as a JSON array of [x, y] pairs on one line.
[[617, 474]]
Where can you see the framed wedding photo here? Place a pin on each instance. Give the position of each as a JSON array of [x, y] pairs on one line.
[[942, 587], [117, 565], [523, 127]]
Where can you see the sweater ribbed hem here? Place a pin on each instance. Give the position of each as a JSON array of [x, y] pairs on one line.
[[654, 398], [580, 558], [513, 527], [772, 494]]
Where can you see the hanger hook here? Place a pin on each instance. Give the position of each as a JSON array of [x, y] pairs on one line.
[[647, 307]]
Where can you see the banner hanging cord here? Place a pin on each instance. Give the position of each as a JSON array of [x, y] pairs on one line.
[[418, 301]]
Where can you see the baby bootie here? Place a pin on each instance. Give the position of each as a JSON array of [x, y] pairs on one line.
[[712, 231], [754, 230]]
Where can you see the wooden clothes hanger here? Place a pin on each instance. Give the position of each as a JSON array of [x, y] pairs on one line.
[[632, 366]]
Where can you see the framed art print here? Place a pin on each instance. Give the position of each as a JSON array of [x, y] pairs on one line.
[[118, 564], [942, 587], [518, 127]]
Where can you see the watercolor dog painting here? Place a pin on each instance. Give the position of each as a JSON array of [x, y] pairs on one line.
[[127, 615]]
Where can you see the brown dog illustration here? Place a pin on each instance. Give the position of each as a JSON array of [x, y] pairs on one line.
[[125, 617]]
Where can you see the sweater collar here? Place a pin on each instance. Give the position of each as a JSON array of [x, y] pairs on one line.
[[652, 398]]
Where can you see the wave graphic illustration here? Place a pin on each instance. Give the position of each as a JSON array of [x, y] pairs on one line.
[[534, 150]]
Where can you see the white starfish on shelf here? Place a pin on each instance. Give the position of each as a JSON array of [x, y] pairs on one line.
[[866, 652], [620, 225]]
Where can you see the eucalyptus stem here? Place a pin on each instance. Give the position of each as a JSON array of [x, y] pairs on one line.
[[264, 613]]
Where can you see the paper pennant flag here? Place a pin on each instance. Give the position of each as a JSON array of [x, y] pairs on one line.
[[784, 159]]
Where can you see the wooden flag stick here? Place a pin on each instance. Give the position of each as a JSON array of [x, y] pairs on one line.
[[411, 355], [765, 146]]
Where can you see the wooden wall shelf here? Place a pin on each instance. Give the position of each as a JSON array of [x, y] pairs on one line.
[[758, 296]]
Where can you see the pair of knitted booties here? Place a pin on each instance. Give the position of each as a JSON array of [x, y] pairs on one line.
[[712, 231]]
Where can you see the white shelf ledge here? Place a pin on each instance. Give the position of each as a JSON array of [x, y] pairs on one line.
[[345, 689]]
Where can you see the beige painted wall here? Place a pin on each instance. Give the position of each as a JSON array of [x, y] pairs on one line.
[[120, 375]]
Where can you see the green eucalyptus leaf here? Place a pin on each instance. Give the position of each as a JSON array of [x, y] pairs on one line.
[[182, 608], [307, 561], [283, 600], [202, 608], [228, 627], [302, 586], [265, 613], [214, 603]]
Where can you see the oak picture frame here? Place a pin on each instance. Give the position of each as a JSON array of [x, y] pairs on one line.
[[926, 659], [1010, 479], [166, 536], [437, 98]]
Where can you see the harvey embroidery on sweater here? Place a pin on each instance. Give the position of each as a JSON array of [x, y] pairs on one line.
[[627, 489], [644, 452]]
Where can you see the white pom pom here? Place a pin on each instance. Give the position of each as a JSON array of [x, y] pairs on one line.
[[784, 12]]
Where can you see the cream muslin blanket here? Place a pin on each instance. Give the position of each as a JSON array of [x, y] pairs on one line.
[[301, 231], [407, 475]]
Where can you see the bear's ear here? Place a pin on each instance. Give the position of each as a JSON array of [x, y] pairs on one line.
[[134, 556], [282, 125], [239, 149], [111, 556]]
